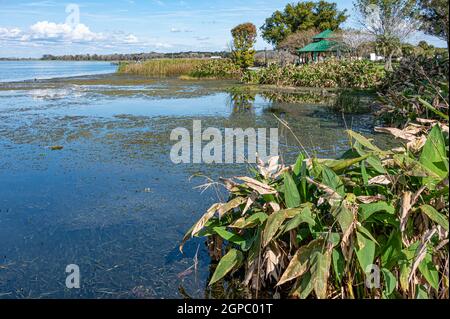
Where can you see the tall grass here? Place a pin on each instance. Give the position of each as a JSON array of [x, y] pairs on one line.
[[161, 67]]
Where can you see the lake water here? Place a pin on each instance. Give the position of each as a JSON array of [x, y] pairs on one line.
[[111, 201], [30, 70]]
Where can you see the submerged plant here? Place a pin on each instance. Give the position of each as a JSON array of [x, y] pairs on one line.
[[322, 228]]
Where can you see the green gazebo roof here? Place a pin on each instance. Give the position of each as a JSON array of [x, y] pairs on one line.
[[327, 34], [320, 46]]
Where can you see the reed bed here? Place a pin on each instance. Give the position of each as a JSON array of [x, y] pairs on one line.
[[161, 67]]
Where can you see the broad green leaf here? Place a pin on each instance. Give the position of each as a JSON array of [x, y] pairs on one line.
[[342, 164], [434, 156], [255, 250], [392, 250], [231, 260], [304, 287], [274, 222], [421, 293], [375, 162], [332, 180], [366, 232], [364, 173], [363, 141], [333, 239], [435, 216], [299, 262], [344, 217], [298, 164], [429, 271], [303, 187], [320, 270], [405, 262], [412, 167], [303, 217], [390, 281], [338, 264], [227, 235], [433, 109], [365, 252], [292, 196], [366, 210], [252, 221]]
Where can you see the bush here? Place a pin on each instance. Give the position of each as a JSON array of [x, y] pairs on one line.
[[330, 73]]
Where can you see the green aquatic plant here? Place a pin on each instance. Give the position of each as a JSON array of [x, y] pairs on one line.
[[331, 73], [371, 224], [217, 69], [418, 87]]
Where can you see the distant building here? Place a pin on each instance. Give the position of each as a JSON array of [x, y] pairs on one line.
[[216, 57], [324, 45], [375, 57]]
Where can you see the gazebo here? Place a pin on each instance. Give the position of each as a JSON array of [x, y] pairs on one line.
[[323, 45]]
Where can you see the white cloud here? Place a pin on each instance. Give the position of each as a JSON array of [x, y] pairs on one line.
[[9, 33], [44, 30]]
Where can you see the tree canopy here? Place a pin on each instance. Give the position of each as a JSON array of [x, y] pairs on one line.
[[244, 37], [434, 15], [391, 22], [302, 16]]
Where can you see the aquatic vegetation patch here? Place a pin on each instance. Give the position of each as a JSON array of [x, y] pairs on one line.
[[371, 224], [330, 73]]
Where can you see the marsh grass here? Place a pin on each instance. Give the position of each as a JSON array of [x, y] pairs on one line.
[[161, 67]]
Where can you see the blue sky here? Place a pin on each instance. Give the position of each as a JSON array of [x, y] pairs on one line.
[[33, 28]]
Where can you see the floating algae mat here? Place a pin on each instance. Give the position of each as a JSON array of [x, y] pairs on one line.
[[105, 199]]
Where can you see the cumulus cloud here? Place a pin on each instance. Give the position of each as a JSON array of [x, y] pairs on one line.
[[9, 33], [44, 30]]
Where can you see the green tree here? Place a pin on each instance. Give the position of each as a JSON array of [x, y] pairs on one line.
[[244, 37], [391, 22], [434, 15], [302, 16]]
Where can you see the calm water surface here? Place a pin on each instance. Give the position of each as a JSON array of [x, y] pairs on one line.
[[111, 201], [30, 70]]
